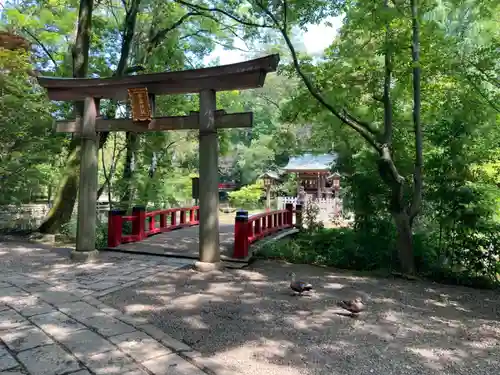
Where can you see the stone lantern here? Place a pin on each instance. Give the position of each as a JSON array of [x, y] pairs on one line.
[[336, 183], [269, 179]]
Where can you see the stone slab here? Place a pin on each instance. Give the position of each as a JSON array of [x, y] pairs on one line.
[[31, 305], [36, 286], [9, 295], [10, 319], [25, 338], [81, 372], [139, 346], [84, 256], [171, 364], [48, 360], [57, 297], [107, 325], [101, 285], [57, 324], [85, 343], [111, 362], [136, 372], [80, 310], [6, 360], [164, 338]]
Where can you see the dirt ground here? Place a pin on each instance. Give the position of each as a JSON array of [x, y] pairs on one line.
[[248, 320]]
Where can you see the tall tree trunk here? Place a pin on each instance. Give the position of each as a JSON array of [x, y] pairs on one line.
[[389, 172], [64, 201], [128, 171], [417, 125], [404, 241]]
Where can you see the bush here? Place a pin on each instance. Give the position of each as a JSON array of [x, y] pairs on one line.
[[338, 247], [68, 232], [101, 240], [371, 248], [247, 197]]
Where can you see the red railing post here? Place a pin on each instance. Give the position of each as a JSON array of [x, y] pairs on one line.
[[173, 218], [241, 235], [152, 223], [289, 214], [183, 217], [198, 214], [298, 216], [138, 225], [163, 220], [191, 216], [258, 227], [115, 223]]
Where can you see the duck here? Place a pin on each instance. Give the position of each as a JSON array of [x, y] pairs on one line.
[[299, 286], [354, 306]]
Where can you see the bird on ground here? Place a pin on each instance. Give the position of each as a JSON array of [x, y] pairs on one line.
[[354, 306], [299, 286]]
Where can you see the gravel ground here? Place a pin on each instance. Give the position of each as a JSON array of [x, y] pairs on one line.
[[248, 320]]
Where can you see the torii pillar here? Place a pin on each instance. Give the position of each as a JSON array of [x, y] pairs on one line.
[[209, 248]]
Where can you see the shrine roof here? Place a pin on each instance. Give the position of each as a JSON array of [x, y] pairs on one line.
[[270, 174], [310, 162], [243, 75]]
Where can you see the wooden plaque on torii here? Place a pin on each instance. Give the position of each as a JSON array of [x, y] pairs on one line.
[[139, 102]]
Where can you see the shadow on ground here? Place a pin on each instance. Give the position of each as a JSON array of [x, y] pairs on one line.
[[249, 320]]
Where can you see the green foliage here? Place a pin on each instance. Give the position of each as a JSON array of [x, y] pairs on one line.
[[341, 248], [25, 149], [248, 197], [310, 218]]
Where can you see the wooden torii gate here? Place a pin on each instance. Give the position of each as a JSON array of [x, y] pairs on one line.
[[142, 90]]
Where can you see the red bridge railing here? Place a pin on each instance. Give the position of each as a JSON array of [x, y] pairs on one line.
[[248, 229], [145, 224]]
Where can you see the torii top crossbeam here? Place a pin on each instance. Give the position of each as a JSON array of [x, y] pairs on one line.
[[244, 75]]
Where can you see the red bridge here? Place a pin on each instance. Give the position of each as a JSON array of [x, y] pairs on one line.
[[174, 232]]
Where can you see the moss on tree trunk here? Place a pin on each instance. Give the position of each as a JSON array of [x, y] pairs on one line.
[[64, 201]]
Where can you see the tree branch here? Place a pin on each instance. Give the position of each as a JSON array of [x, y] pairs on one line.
[[128, 35], [481, 93], [155, 160], [417, 126], [227, 14], [285, 10], [38, 41], [42, 46], [269, 100], [366, 132], [162, 33], [387, 137]]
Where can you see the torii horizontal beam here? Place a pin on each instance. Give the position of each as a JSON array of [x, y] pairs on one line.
[[190, 122], [244, 75]]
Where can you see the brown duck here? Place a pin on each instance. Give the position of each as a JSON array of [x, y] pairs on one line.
[[299, 286], [354, 306]]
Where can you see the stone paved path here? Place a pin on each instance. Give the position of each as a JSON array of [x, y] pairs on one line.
[[51, 321]]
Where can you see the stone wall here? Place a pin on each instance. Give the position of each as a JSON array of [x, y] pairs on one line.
[[22, 217], [30, 216]]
